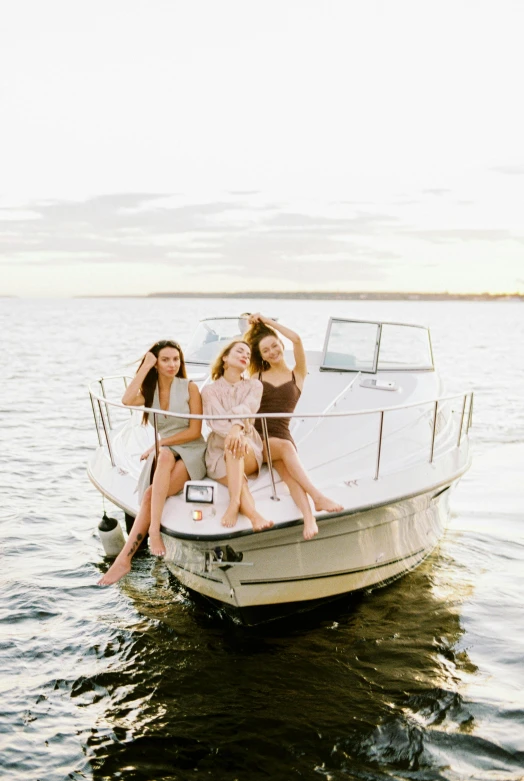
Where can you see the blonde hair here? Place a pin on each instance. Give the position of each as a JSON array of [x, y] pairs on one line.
[[217, 369]]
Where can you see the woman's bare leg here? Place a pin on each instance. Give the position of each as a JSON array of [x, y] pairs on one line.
[[233, 480], [247, 503], [284, 450], [122, 563], [300, 498], [240, 498], [165, 469]]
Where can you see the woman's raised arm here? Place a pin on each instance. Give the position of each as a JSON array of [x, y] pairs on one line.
[[133, 395], [298, 348]]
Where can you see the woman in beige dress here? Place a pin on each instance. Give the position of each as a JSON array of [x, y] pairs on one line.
[[161, 383], [234, 447]]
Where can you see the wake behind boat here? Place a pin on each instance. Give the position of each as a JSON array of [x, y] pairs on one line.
[[374, 429]]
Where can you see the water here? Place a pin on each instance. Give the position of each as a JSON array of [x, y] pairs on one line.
[[421, 680]]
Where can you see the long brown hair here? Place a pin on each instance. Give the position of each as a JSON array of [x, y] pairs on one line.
[[253, 337], [149, 382], [217, 369]]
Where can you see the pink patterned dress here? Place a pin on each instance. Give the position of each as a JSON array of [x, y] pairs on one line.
[[225, 398]]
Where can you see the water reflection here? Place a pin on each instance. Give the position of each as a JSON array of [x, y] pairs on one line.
[[353, 690]]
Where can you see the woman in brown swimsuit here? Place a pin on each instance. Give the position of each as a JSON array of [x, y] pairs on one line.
[[282, 389]]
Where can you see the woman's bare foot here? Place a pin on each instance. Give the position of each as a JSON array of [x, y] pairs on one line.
[[310, 528], [323, 504], [230, 516], [259, 523], [156, 546], [116, 571]]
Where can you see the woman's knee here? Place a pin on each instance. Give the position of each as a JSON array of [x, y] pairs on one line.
[[165, 459], [286, 448]]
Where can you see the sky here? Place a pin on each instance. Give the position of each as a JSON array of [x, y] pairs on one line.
[[247, 145]]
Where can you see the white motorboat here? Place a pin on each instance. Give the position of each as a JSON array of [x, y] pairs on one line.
[[376, 432]]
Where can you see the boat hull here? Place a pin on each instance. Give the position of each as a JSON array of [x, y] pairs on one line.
[[277, 568]]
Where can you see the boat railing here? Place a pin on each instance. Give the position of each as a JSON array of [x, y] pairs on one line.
[[104, 422]]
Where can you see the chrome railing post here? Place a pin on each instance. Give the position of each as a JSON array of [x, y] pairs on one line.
[[110, 449], [462, 419], [434, 433], [269, 460], [379, 444], [107, 408], [155, 426], [470, 415], [97, 425]]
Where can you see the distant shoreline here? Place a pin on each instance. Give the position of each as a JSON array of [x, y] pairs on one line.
[[334, 296]]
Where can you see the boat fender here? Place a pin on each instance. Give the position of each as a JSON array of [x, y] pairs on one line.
[[111, 536]]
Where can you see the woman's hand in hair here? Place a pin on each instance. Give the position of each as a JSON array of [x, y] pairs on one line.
[[150, 360], [257, 317], [235, 442]]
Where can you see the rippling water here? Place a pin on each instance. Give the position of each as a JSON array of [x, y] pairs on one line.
[[421, 680]]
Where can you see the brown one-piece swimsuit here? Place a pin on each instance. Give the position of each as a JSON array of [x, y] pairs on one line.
[[278, 398]]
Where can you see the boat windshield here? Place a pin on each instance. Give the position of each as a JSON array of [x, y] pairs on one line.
[[357, 346], [211, 335]]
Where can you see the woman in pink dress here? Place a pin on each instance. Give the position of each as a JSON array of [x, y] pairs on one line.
[[234, 447]]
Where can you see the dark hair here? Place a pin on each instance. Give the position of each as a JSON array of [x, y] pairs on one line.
[[149, 382], [217, 369], [253, 337]]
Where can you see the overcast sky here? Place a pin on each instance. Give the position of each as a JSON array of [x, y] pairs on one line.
[[161, 145]]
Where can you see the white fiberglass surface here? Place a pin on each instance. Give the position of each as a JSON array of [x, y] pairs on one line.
[[320, 441]]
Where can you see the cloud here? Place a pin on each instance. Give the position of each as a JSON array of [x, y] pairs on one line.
[[154, 229], [436, 191], [510, 170], [18, 215], [465, 234]]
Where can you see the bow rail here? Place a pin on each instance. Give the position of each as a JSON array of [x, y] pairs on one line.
[[104, 421]]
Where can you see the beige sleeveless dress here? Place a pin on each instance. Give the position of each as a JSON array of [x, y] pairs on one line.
[[192, 453]]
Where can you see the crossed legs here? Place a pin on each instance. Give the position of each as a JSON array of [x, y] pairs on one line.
[[300, 498], [176, 477], [240, 499]]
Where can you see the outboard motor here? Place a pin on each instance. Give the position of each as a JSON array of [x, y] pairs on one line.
[[111, 536]]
